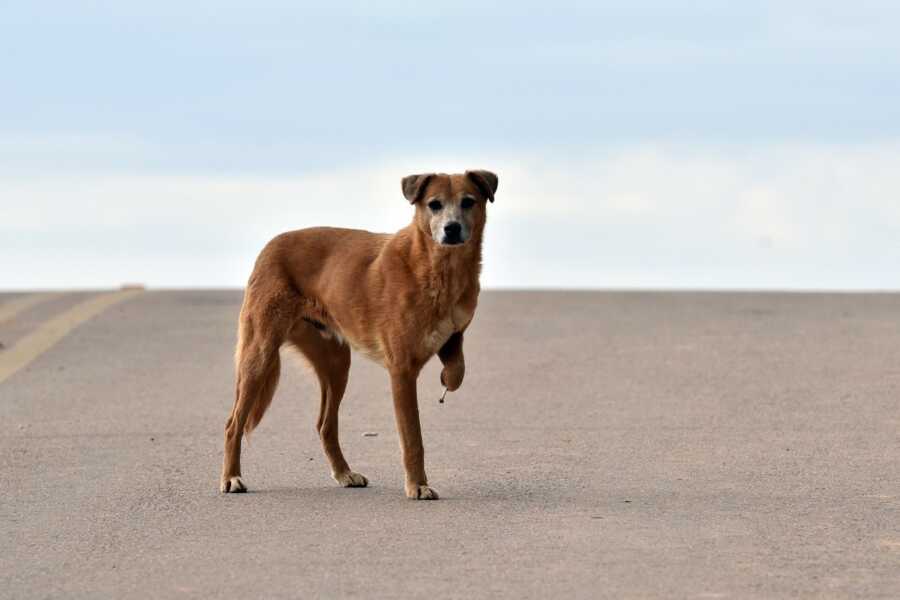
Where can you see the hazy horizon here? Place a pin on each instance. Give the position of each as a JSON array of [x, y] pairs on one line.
[[643, 147]]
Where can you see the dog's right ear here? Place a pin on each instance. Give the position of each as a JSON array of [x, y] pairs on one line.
[[414, 186], [484, 181]]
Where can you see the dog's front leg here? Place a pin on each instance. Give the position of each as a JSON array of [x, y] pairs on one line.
[[451, 354], [406, 410]]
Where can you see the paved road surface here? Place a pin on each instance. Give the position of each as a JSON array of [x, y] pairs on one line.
[[604, 445]]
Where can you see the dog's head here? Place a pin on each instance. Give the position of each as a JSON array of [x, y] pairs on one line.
[[450, 208]]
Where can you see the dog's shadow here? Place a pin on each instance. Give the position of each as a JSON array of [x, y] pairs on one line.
[[547, 491]]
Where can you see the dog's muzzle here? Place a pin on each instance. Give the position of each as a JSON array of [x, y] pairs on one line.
[[452, 234]]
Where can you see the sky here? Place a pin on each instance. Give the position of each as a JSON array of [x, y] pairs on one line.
[[689, 145]]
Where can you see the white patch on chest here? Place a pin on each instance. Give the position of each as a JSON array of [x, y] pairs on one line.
[[458, 318], [461, 316], [434, 339]]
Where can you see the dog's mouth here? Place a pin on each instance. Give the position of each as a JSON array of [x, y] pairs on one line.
[[455, 241]]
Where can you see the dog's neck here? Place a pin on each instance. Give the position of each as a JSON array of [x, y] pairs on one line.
[[446, 273]]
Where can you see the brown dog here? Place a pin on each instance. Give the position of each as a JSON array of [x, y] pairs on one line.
[[398, 298]]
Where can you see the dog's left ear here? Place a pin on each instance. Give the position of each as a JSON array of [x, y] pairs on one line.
[[414, 186], [486, 182]]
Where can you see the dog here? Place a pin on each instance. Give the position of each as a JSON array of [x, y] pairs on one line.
[[398, 299]]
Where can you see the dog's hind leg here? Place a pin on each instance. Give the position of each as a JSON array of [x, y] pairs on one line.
[[258, 366], [331, 361]]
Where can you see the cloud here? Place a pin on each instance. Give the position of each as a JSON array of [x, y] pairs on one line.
[[645, 215]]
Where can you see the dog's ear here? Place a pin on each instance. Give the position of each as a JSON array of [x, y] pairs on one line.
[[486, 182], [414, 186]]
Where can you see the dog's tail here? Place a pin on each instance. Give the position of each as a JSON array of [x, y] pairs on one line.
[[264, 399], [266, 381]]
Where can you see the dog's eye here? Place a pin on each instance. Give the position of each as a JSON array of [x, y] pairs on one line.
[[467, 203], [435, 205]]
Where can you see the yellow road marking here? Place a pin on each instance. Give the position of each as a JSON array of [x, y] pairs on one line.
[[50, 332], [11, 308]]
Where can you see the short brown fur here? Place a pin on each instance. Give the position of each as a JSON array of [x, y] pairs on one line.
[[400, 299]]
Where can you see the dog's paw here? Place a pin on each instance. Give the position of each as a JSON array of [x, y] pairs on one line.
[[420, 492], [351, 479], [233, 485], [452, 375]]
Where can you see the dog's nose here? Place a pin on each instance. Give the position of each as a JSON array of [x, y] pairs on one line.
[[452, 230]]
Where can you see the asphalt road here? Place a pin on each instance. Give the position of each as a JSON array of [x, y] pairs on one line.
[[620, 445]]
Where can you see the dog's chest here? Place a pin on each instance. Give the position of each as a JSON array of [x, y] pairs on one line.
[[441, 330]]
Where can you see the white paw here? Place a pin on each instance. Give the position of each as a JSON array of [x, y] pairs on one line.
[[420, 492], [351, 479], [233, 485]]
